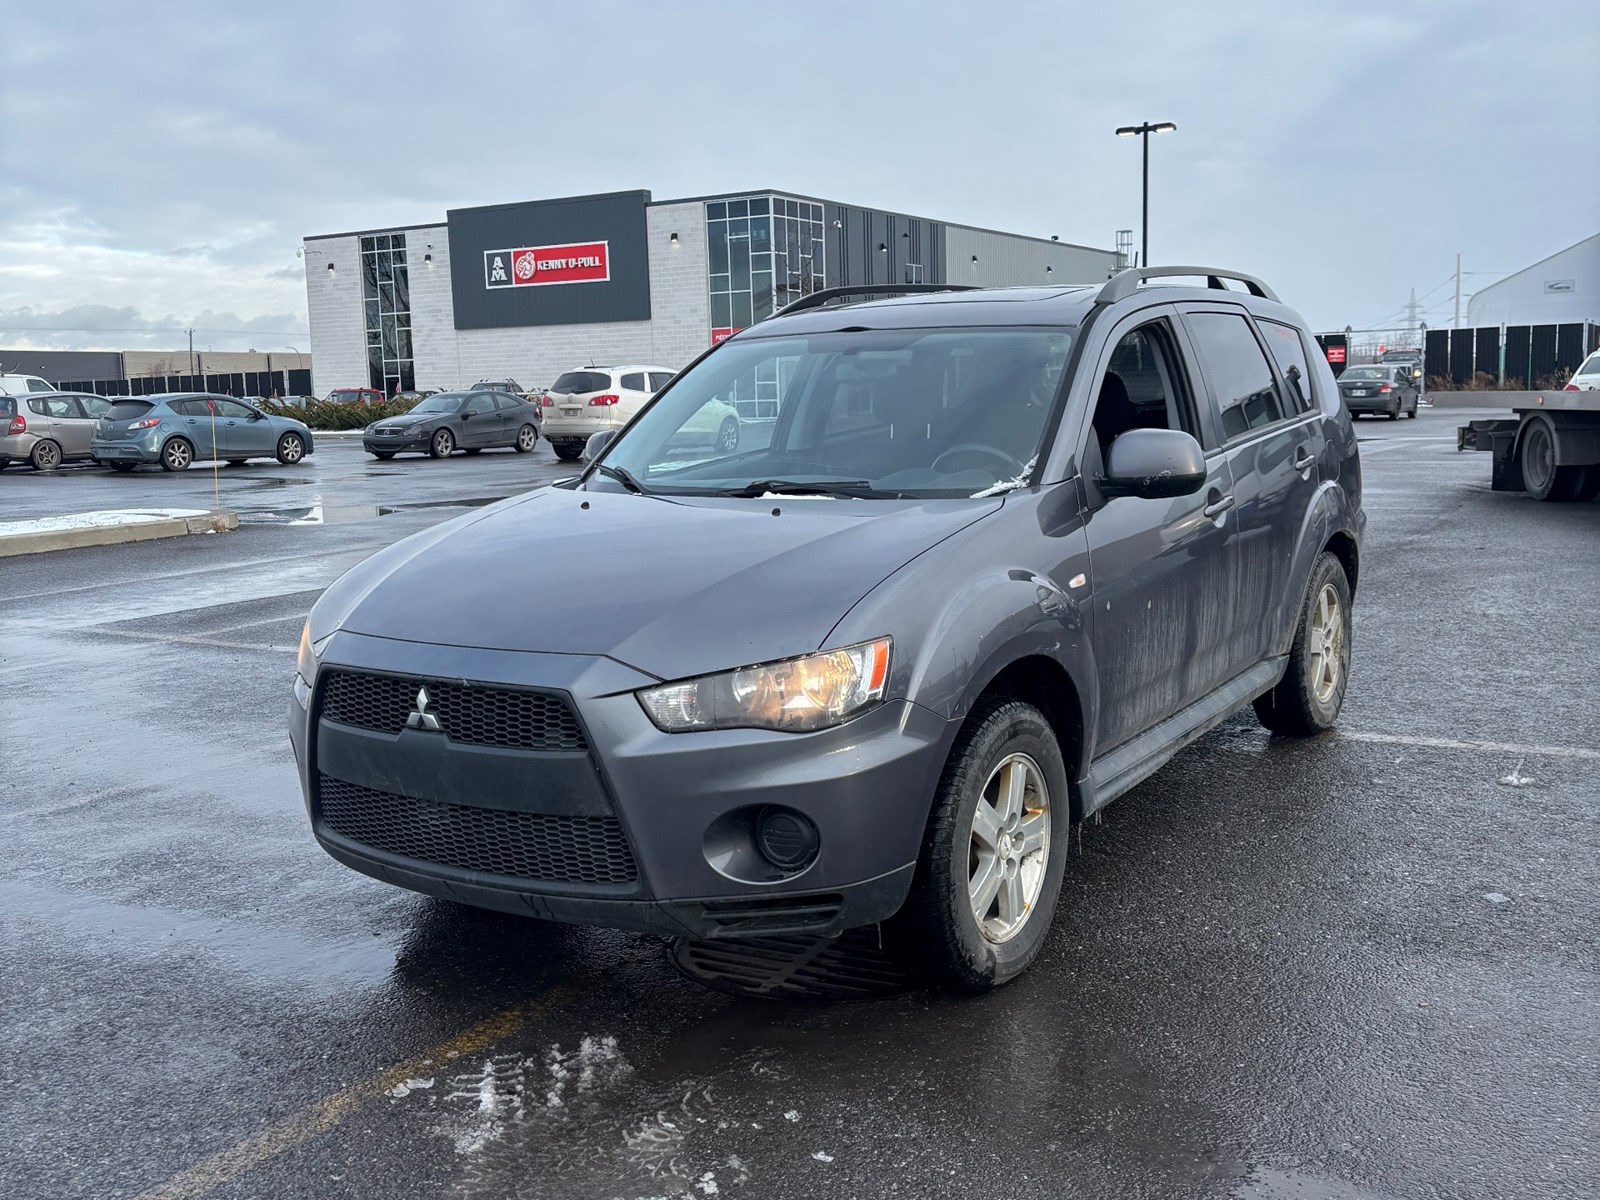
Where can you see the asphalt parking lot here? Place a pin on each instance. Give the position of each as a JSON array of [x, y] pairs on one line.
[[1361, 967]]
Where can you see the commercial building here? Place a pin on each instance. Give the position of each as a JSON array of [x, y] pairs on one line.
[[1562, 289], [142, 372], [531, 289]]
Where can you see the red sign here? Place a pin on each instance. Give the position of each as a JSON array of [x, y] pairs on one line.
[[721, 335], [540, 266], [1335, 354]]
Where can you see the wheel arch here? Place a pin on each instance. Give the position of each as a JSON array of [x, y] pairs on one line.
[[1040, 680]]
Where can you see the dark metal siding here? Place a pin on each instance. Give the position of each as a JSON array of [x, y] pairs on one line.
[[866, 246], [1543, 352], [60, 365], [1570, 346], [1436, 354], [1460, 356], [617, 218], [1486, 351], [1518, 359]]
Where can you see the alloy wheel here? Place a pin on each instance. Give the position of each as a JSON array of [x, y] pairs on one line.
[[1325, 644], [1008, 847], [291, 449], [177, 456], [526, 437], [46, 456]]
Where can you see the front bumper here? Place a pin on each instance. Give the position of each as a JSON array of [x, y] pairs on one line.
[[866, 786], [373, 444]]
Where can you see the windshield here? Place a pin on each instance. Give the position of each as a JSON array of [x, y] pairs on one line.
[[904, 412], [1366, 373], [574, 382], [444, 404]]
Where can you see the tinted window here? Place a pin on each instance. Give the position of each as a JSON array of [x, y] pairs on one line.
[[581, 381], [481, 403], [505, 401], [1290, 353], [128, 410], [1241, 380], [634, 382], [659, 380], [1374, 373], [94, 406]]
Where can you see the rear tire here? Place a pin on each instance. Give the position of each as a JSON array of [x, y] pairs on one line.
[[1308, 698], [443, 444], [527, 439], [567, 452], [176, 455], [1537, 458], [46, 455], [1011, 857], [291, 449]]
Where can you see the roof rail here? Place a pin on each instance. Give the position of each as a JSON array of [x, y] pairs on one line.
[[1124, 283], [818, 299]]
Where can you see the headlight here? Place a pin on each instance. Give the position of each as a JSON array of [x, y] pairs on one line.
[[306, 663], [795, 696]]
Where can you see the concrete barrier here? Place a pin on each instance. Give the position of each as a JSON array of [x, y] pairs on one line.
[[37, 537]]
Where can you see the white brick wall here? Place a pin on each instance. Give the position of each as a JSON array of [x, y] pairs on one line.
[[447, 357], [333, 303]]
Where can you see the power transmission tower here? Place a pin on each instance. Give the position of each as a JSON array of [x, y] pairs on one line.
[[1411, 312]]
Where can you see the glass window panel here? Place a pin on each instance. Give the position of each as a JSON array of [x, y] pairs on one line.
[[368, 244], [402, 292], [408, 376], [738, 208], [738, 234], [372, 314], [390, 348], [741, 272], [399, 257], [385, 268], [374, 367], [791, 208], [369, 276], [722, 283], [742, 316], [719, 248], [758, 208], [717, 211], [761, 289], [403, 341], [721, 311], [760, 235], [397, 241], [816, 213], [780, 240]]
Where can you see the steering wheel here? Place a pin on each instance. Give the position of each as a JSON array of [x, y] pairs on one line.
[[1013, 466]]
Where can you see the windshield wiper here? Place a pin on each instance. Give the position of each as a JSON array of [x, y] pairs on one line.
[[848, 488], [624, 477]]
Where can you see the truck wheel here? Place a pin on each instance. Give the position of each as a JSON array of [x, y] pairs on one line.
[[1537, 457], [1308, 697], [994, 851]]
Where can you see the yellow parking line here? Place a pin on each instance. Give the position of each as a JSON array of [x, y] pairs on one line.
[[282, 1136]]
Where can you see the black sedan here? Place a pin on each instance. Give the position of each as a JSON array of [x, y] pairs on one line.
[[451, 421], [1384, 389]]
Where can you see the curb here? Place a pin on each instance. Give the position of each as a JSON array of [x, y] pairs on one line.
[[111, 535]]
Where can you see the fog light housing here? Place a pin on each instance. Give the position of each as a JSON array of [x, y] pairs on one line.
[[785, 838]]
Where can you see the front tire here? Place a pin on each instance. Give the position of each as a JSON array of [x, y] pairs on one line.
[[176, 455], [291, 449], [527, 439], [994, 852], [443, 444], [1308, 698]]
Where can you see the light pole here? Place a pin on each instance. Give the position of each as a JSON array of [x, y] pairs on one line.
[[1145, 131]]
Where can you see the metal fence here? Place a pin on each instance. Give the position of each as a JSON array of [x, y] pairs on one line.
[[1519, 357], [266, 384]]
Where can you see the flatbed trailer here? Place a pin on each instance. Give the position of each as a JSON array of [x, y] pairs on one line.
[[1550, 449]]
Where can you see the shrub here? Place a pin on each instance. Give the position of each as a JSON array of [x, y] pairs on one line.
[[321, 415]]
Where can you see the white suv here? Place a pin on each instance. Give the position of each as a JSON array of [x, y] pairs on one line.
[[18, 385], [1587, 377], [584, 402]]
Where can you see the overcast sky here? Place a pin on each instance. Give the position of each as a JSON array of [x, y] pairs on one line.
[[159, 164]]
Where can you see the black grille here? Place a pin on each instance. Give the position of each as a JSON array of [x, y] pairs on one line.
[[479, 716], [524, 845]]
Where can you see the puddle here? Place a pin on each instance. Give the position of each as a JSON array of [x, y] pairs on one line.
[[469, 502], [314, 514]]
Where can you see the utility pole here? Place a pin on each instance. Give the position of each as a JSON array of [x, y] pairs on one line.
[[191, 351], [1457, 323]]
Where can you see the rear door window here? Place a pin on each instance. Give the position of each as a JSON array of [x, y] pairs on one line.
[[1290, 353], [1241, 381], [634, 382], [659, 380]]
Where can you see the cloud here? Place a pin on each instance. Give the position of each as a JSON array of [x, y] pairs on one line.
[[1345, 151]]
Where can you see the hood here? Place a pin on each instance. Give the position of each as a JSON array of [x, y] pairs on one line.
[[406, 420], [671, 587]]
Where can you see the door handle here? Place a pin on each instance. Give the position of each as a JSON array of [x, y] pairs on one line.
[[1218, 506], [1306, 459]]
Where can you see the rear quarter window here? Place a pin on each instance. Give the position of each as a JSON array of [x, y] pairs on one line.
[[8, 407], [634, 382], [1289, 351]]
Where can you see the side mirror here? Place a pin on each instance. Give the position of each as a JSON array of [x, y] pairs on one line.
[[465, 414], [597, 443], [1155, 464]]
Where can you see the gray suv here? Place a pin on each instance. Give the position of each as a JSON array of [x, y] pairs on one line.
[[998, 556]]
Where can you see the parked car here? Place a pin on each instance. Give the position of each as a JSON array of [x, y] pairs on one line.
[[293, 401], [17, 385], [582, 403], [998, 558], [47, 429], [714, 427], [497, 385], [415, 393], [1587, 377], [177, 429], [355, 396], [451, 421], [1381, 388]]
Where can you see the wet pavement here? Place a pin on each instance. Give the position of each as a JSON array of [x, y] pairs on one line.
[[1361, 967]]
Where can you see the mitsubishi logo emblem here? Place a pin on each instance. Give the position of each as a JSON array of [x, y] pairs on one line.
[[420, 717]]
